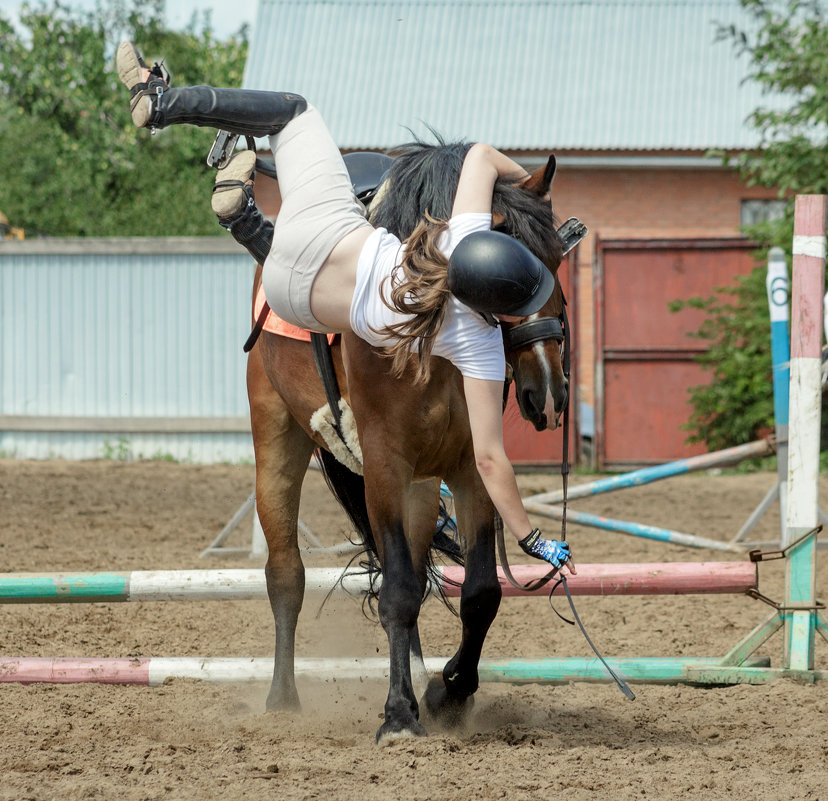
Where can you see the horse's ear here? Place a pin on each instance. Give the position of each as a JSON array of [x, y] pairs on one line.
[[549, 172], [539, 182]]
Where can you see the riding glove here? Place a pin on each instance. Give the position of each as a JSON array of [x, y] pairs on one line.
[[552, 551]]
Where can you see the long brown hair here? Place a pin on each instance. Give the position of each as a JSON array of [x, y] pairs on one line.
[[419, 287]]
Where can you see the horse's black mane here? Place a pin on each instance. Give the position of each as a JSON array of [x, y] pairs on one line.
[[423, 178]]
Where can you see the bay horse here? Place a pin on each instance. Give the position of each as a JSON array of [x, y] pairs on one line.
[[410, 437]]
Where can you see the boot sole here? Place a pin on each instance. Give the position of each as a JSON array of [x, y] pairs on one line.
[[130, 65], [240, 168]]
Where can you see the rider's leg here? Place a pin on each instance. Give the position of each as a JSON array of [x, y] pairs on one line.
[[318, 207], [236, 209], [242, 111], [318, 210]]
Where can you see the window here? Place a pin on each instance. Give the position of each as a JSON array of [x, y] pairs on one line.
[[756, 211]]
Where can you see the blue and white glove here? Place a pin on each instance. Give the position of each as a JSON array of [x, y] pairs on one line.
[[552, 551]]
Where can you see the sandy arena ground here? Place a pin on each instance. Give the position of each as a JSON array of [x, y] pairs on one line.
[[192, 740]]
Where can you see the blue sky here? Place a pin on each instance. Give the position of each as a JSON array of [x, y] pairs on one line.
[[228, 15]]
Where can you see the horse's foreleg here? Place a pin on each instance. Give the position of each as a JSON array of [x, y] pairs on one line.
[[423, 510], [282, 455], [447, 699], [399, 606]]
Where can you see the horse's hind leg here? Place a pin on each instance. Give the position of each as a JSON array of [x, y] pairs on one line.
[[282, 451], [447, 698]]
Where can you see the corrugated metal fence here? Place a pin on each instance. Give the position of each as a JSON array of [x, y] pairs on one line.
[[124, 347]]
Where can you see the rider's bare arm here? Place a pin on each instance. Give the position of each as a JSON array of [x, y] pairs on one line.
[[484, 400], [482, 166]]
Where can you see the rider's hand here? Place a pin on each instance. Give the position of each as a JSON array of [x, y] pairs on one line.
[[552, 551]]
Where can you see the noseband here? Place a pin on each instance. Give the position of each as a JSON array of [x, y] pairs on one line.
[[540, 330]]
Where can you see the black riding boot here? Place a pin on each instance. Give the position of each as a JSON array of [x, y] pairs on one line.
[[250, 229], [239, 111]]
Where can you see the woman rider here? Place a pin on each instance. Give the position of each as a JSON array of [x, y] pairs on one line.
[[329, 270]]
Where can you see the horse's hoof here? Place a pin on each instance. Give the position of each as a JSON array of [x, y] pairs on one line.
[[449, 711], [391, 732], [283, 702]]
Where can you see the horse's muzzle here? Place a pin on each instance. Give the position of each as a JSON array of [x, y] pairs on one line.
[[543, 409]]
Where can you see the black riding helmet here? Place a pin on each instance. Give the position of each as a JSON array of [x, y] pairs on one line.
[[492, 272]]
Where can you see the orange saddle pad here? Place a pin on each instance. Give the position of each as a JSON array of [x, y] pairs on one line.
[[276, 325]]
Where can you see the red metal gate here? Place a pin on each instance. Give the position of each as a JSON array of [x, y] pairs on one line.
[[526, 447], [644, 362]]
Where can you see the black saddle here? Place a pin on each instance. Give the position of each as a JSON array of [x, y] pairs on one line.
[[367, 172]]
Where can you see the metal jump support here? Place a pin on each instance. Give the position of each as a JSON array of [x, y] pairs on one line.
[[258, 543]]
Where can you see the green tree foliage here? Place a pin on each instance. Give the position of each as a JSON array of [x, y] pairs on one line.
[[786, 45], [72, 162], [787, 48], [737, 405]]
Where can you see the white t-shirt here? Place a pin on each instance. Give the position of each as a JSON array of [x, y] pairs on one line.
[[473, 346]]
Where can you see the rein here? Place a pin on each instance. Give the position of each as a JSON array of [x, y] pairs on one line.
[[520, 336]]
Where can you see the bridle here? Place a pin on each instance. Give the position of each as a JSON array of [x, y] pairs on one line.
[[543, 329]]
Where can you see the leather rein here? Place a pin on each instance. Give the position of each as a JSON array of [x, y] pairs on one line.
[[521, 335], [539, 330]]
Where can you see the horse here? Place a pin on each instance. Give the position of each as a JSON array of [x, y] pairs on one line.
[[410, 437]]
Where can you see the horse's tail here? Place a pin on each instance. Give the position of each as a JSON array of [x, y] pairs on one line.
[[349, 490]]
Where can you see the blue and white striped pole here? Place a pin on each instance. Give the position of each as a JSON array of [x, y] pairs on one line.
[[778, 293]]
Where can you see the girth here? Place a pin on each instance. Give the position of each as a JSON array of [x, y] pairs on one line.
[[325, 367]]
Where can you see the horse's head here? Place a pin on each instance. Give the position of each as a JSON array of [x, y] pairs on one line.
[[533, 347], [424, 178]]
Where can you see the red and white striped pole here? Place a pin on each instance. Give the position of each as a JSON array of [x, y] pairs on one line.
[[808, 289]]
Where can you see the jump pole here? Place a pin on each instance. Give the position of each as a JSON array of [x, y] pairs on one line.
[[653, 578], [647, 475], [154, 671], [543, 504], [633, 529]]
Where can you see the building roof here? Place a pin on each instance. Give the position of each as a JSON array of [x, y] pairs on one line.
[[622, 75]]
